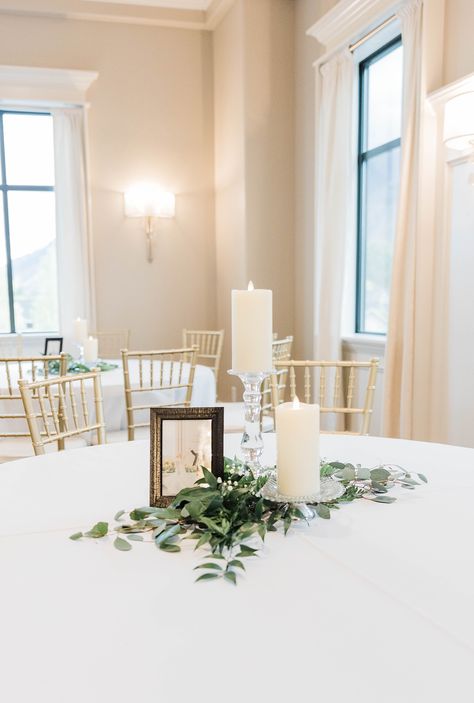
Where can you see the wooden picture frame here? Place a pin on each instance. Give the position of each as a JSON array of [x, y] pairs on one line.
[[50, 341], [178, 450]]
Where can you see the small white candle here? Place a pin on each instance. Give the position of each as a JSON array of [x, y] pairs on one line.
[[80, 330], [91, 349], [252, 330], [298, 462]]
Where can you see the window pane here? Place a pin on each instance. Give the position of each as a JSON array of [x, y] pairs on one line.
[[384, 99], [29, 150], [33, 249], [380, 201], [4, 305]]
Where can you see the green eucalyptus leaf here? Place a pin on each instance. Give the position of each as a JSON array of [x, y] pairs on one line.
[[122, 545], [237, 564], [347, 473], [100, 529], [76, 535], [118, 515], [383, 499], [380, 474], [135, 537], [166, 534], [207, 577], [167, 513], [209, 565], [204, 539], [422, 477], [246, 551], [230, 576], [363, 474], [209, 477], [169, 547], [323, 511]]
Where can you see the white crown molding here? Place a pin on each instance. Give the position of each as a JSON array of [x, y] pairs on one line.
[[120, 13], [347, 21], [45, 84], [449, 91]]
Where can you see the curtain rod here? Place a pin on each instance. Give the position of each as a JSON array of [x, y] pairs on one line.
[[372, 33]]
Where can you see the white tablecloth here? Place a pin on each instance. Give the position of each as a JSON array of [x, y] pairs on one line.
[[204, 394], [373, 606]]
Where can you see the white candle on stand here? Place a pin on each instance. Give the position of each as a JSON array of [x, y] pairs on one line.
[[91, 349], [252, 330], [298, 462], [80, 330]]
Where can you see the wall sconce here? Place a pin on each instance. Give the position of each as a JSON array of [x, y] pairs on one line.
[[149, 201], [459, 122]]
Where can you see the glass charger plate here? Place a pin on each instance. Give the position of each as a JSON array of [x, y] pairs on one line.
[[329, 490]]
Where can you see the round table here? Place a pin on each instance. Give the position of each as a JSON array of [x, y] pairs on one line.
[[374, 605]]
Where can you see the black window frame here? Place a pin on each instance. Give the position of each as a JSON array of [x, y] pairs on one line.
[[5, 188], [363, 156]]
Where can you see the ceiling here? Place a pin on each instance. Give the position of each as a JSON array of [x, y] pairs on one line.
[[174, 4]]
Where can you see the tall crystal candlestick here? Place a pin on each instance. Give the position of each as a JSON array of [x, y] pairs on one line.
[[251, 444]]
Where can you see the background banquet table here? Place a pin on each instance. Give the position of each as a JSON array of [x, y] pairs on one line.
[[204, 394], [374, 605]]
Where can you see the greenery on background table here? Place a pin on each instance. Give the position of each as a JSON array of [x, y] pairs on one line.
[[75, 366], [230, 518]]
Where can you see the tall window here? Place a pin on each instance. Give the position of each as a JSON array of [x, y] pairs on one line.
[[28, 276], [380, 108]]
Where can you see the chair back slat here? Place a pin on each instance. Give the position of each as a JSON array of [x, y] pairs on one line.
[[112, 342], [170, 370], [209, 344], [276, 385], [58, 417], [338, 380], [30, 369]]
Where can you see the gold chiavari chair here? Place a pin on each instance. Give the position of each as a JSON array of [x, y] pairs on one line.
[[209, 344], [334, 385], [281, 351], [13, 443], [57, 409], [234, 412], [165, 370], [111, 343]]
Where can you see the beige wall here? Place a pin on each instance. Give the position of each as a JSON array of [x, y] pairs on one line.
[[151, 118], [307, 50], [458, 42], [253, 112], [229, 171]]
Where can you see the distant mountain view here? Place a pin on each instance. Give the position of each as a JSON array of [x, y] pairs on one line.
[[35, 292]]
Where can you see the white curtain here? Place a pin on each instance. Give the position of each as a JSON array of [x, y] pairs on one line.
[[334, 204], [75, 274], [334, 199], [408, 357]]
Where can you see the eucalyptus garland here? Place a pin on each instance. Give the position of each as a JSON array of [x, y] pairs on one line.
[[229, 518]]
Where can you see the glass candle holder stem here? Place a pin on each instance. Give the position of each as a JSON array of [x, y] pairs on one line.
[[251, 444]]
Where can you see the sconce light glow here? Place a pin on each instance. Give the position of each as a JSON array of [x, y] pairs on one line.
[[149, 200], [459, 122]]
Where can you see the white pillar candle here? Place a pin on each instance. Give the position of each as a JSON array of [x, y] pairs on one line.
[[251, 330], [91, 349], [298, 462], [80, 330]]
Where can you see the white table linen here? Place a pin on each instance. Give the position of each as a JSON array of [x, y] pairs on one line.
[[374, 605], [204, 394]]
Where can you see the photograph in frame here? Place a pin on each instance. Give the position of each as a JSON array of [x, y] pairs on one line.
[[183, 440], [53, 346]]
